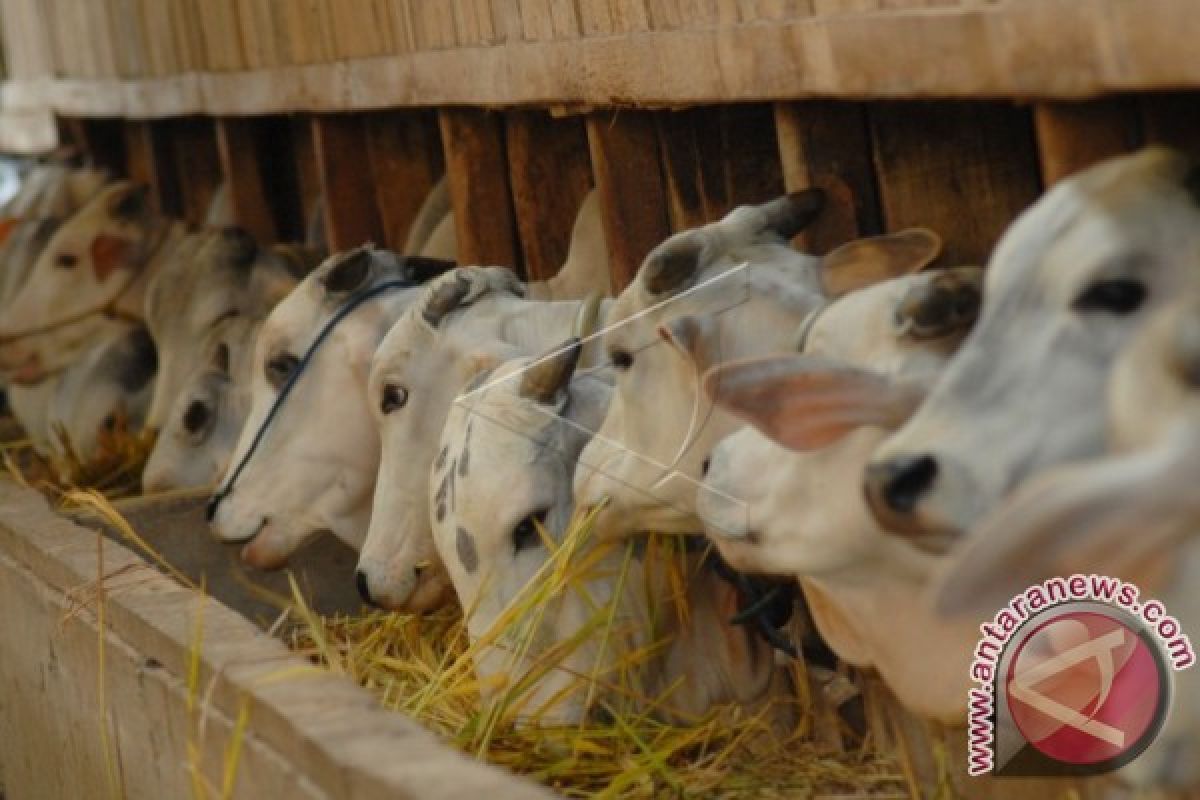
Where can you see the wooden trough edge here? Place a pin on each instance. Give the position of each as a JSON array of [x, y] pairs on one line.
[[1066, 49], [308, 733]]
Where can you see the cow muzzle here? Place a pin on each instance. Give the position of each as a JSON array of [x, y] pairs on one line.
[[903, 493]]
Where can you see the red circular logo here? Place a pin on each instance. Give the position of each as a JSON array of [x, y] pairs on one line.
[[1086, 688]]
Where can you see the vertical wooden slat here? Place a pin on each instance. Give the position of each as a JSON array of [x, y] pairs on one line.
[[150, 162], [963, 169], [551, 174], [241, 165], [826, 144], [477, 176], [1072, 136], [197, 163], [405, 151], [1173, 119], [351, 216], [308, 181], [629, 179]]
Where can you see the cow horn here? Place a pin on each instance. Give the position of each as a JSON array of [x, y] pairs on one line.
[[589, 313], [547, 376], [670, 265], [444, 298], [792, 213]]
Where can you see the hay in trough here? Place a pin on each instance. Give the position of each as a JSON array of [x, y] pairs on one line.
[[422, 665]]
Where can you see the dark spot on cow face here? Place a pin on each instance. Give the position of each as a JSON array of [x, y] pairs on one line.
[[440, 512], [441, 459], [464, 458], [348, 274], [240, 247], [131, 204], [464, 545], [139, 361]]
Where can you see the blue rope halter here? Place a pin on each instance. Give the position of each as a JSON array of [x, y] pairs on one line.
[[354, 302]]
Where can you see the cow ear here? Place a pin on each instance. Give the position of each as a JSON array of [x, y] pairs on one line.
[[695, 337], [807, 403], [350, 272], [865, 262], [109, 253], [1109, 516]]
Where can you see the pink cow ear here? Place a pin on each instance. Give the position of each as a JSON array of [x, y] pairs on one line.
[[109, 253], [807, 403], [865, 262]]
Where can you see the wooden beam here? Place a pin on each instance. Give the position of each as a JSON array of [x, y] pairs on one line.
[[406, 160], [150, 162], [197, 163], [551, 174], [624, 149], [344, 171], [963, 169], [241, 164], [826, 144], [477, 172], [1072, 136]]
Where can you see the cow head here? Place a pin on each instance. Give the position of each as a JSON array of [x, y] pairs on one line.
[[454, 331], [314, 468], [214, 275], [202, 426], [728, 290], [90, 264], [1068, 284], [501, 479]]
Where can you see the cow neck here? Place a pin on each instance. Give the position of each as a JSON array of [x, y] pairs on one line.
[[355, 300], [110, 309]]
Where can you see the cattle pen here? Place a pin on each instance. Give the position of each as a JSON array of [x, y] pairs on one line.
[[151, 669]]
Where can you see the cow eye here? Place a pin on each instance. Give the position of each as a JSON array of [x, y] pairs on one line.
[[280, 368], [1116, 296], [394, 398], [621, 359], [66, 260], [197, 418], [525, 535]]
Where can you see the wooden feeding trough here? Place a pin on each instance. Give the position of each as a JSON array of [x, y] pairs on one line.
[[951, 114]]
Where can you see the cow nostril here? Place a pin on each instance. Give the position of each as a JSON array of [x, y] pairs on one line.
[[364, 591], [907, 480], [704, 467], [418, 570]]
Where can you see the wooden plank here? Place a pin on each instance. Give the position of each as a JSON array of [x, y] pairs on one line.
[[825, 143], [551, 174], [625, 162], [194, 149], [963, 169], [405, 152], [1072, 136], [1173, 119], [715, 159], [477, 173], [150, 162], [351, 216], [238, 146]]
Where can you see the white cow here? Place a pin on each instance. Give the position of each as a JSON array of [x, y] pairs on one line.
[[784, 495], [88, 281], [469, 319], [1131, 513], [501, 480], [314, 469], [214, 275], [728, 290], [70, 410], [203, 424], [1069, 283]]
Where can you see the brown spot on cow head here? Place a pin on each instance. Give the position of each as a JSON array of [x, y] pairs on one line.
[[109, 253], [240, 247], [464, 545]]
